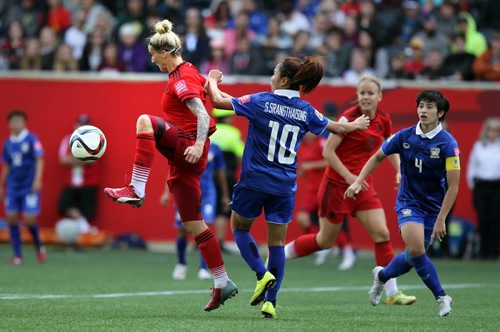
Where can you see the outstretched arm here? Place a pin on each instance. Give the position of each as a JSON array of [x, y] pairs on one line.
[[194, 152], [368, 169], [219, 99], [360, 123]]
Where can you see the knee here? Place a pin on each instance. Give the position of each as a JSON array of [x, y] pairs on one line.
[[324, 241], [381, 235], [415, 252], [144, 124]]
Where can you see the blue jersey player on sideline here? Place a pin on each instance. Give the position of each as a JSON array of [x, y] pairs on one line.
[[278, 121], [22, 168], [215, 171], [430, 175]]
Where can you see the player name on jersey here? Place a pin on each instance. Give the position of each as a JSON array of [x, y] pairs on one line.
[[282, 110]]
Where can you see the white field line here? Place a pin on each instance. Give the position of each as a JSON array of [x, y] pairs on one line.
[[188, 292]]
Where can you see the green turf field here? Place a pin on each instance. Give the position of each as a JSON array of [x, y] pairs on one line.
[[133, 290]]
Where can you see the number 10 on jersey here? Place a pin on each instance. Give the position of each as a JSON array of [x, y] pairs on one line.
[[283, 149]]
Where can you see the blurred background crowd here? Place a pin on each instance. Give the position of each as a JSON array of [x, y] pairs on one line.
[[451, 40]]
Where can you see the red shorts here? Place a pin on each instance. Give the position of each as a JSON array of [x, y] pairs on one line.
[[334, 207], [309, 203], [184, 179]]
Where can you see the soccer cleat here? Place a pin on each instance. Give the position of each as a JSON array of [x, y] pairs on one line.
[[348, 260], [401, 298], [203, 274], [267, 281], [16, 260], [376, 291], [125, 195], [179, 272], [321, 256], [445, 303], [220, 295], [268, 310], [41, 255]]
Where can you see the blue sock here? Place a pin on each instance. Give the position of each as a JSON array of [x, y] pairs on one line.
[[35, 234], [396, 267], [15, 240], [181, 244], [276, 266], [249, 252], [203, 264], [427, 272]]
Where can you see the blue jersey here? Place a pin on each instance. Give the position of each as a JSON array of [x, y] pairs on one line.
[[215, 162], [20, 153], [277, 123], [424, 162]]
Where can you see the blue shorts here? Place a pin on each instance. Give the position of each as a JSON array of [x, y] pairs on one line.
[[28, 204], [248, 203], [208, 205], [419, 217]]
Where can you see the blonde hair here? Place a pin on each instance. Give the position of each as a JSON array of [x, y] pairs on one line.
[[492, 121], [372, 79], [165, 38]]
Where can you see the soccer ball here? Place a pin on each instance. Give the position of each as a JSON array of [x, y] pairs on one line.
[[68, 230], [87, 143]]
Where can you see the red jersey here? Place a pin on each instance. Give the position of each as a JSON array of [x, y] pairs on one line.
[[183, 83], [358, 146], [79, 176], [312, 151]]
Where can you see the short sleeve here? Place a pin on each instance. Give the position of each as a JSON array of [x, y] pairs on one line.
[[5, 155], [37, 147], [316, 122], [391, 145], [219, 162], [187, 87], [452, 155], [245, 105]]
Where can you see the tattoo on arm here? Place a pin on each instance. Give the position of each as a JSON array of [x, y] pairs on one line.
[[198, 109]]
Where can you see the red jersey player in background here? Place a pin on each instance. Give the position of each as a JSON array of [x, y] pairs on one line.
[[311, 168], [346, 154], [182, 137]]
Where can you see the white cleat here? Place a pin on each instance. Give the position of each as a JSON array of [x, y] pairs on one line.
[[376, 291], [179, 272], [321, 256], [203, 274], [348, 259], [445, 303]]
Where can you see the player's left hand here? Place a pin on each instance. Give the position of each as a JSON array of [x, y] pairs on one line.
[[397, 180], [36, 186], [439, 231], [193, 153], [225, 203]]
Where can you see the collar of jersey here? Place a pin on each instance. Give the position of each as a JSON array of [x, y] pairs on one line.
[[431, 134], [287, 93], [19, 137]]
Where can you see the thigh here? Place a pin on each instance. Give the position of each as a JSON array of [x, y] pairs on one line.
[[375, 223], [13, 203], [279, 209], [331, 205], [413, 235], [246, 202], [66, 200], [165, 135], [88, 202], [187, 198], [31, 204]]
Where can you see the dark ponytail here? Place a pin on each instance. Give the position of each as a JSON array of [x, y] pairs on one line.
[[307, 73]]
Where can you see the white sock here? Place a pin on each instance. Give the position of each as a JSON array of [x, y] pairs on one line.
[[290, 250], [140, 176], [220, 276], [391, 287]]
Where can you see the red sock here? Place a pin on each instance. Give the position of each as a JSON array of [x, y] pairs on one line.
[[306, 245], [209, 249], [144, 150], [341, 240], [383, 253]]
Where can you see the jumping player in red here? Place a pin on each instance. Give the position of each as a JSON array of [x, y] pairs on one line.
[[346, 155], [182, 137]]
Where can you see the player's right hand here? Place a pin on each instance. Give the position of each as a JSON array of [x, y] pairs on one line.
[[362, 122], [351, 178], [165, 198], [216, 75], [353, 190]]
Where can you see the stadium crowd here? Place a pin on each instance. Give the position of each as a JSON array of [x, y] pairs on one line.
[[449, 40]]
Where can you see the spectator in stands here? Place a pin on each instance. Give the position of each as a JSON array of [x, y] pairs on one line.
[[337, 54], [320, 26], [359, 67], [487, 66], [132, 53], [75, 36], [219, 19], [92, 52], [12, 47], [433, 66], [93, 9], [32, 59], [409, 23], [336, 17], [64, 60], [350, 7], [458, 65], [483, 177], [351, 31], [48, 47], [216, 58], [369, 21], [196, 42], [301, 44], [246, 60], [110, 63], [272, 43], [489, 15], [30, 17], [415, 64], [58, 17], [475, 42], [133, 12], [233, 35], [447, 19], [433, 39], [397, 71], [292, 21], [257, 17]]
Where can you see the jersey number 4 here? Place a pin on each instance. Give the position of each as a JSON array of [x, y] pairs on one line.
[[283, 149], [418, 164]]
